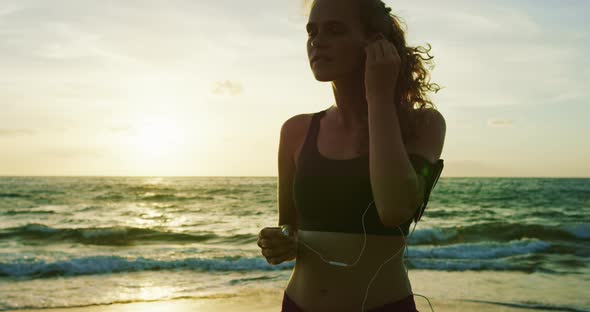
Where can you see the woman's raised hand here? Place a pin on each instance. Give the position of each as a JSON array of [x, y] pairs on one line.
[[382, 67]]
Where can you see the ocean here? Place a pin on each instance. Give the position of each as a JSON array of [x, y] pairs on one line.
[[83, 241]]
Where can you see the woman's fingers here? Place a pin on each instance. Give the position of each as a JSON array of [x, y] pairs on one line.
[[275, 247], [290, 255], [269, 232], [376, 49], [267, 235], [277, 251], [391, 53], [370, 52], [385, 47], [270, 242], [392, 50], [280, 253], [262, 242], [266, 243]]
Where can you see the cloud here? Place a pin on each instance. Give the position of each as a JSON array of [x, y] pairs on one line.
[[223, 87], [497, 123], [16, 132], [460, 124]]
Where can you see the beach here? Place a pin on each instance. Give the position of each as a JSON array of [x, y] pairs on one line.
[[447, 291], [231, 305]]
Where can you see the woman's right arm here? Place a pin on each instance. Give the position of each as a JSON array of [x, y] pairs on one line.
[[286, 161], [275, 247]]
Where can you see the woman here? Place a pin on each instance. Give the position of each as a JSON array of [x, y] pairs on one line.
[[365, 165]]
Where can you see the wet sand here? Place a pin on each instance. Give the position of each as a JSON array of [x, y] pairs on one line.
[[447, 291]]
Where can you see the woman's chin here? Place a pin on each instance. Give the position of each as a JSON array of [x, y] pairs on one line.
[[323, 76]]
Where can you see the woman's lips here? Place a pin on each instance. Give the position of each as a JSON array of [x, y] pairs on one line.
[[322, 60]]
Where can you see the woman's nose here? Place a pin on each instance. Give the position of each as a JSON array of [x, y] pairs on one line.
[[317, 41]]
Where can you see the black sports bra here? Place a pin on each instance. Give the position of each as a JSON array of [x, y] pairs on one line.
[[331, 195]]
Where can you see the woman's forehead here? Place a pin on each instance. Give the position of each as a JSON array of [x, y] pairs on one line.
[[344, 11]]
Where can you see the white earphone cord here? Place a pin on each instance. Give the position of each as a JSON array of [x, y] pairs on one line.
[[363, 249]]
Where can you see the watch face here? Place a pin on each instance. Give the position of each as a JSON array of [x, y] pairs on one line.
[[285, 230]]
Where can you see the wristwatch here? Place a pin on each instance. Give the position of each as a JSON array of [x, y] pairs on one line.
[[286, 229]]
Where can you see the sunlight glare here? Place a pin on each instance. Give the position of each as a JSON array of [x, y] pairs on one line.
[[156, 139]]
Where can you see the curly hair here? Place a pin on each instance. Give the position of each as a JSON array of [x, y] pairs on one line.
[[414, 79]]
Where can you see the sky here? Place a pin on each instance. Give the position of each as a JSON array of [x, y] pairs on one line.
[[202, 88]]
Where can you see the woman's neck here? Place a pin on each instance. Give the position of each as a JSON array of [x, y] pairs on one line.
[[351, 109]]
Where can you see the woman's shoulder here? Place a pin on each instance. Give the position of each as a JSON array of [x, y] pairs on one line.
[[299, 123], [430, 115], [294, 131]]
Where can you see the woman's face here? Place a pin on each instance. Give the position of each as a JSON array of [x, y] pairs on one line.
[[334, 31]]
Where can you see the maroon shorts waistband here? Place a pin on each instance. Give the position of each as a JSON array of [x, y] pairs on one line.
[[405, 304]]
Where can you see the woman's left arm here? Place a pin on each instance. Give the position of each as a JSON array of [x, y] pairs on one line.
[[397, 190]]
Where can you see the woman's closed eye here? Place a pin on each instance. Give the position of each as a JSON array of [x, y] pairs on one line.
[[333, 30]]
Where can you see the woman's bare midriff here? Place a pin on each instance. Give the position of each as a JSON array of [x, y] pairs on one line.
[[317, 286]]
